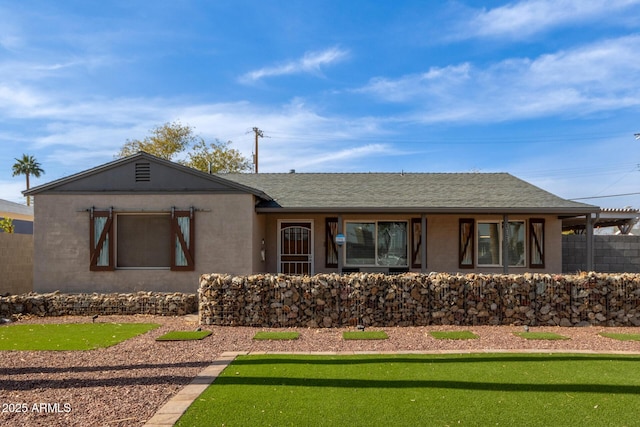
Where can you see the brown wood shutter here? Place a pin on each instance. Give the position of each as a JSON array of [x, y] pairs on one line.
[[416, 242], [536, 239], [101, 240], [331, 248], [182, 259], [467, 243]]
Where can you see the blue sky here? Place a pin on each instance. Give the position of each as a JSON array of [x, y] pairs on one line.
[[547, 90]]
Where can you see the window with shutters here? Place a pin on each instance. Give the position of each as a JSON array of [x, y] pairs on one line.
[[132, 240]]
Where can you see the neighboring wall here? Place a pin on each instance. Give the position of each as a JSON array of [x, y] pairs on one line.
[[16, 263], [612, 254]]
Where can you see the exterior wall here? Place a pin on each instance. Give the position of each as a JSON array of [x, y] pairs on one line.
[[612, 254], [223, 242], [259, 236], [16, 263], [442, 240]]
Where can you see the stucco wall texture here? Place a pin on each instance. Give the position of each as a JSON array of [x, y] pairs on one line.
[[223, 226]]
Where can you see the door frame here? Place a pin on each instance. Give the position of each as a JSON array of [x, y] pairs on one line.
[[311, 242]]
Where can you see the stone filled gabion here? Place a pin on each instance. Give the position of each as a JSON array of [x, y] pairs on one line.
[[411, 299], [59, 304]]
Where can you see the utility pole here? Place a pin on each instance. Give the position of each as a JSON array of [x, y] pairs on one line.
[[259, 134]]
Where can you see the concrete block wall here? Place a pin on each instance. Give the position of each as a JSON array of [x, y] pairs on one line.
[[612, 254], [16, 263]]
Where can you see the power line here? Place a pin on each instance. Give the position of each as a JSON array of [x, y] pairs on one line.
[[604, 197]]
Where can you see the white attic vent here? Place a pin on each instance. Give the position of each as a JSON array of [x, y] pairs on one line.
[[143, 172]]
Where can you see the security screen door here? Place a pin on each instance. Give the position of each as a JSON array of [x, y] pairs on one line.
[[295, 247]]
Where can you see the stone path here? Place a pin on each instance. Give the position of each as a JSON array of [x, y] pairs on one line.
[[172, 410]]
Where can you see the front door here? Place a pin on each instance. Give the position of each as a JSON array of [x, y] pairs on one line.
[[295, 247]]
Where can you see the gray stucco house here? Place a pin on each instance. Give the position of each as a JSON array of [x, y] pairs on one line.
[[143, 223]]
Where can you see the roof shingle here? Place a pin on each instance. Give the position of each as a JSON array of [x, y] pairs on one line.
[[406, 191]]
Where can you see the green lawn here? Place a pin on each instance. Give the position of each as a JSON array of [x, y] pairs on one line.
[[621, 337], [422, 390], [453, 335], [184, 336], [365, 335], [540, 336], [265, 335], [69, 336]]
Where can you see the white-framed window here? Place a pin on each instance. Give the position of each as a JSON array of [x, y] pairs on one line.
[[489, 241], [376, 243]]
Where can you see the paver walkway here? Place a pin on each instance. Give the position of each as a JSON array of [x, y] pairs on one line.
[[172, 410]]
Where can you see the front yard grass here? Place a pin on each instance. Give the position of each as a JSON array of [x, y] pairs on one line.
[[621, 337], [410, 390], [364, 335], [540, 336], [453, 335], [272, 335], [184, 335], [69, 336]]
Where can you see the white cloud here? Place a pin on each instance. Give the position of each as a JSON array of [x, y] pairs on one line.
[[603, 76], [524, 18], [311, 62], [11, 190], [342, 157]]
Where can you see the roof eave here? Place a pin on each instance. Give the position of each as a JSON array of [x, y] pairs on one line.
[[436, 210]]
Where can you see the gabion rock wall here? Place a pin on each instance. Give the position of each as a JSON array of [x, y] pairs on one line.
[[331, 300], [58, 304]]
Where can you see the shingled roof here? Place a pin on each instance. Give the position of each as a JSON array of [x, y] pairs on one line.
[[408, 192]]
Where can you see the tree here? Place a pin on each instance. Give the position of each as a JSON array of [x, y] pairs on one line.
[[216, 157], [27, 166], [170, 139], [6, 225], [165, 141]]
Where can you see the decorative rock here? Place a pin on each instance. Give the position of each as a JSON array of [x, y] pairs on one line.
[[408, 299], [327, 322]]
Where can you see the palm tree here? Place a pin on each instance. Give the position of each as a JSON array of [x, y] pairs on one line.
[[27, 166]]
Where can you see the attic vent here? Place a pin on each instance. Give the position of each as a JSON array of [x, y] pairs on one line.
[[143, 172]]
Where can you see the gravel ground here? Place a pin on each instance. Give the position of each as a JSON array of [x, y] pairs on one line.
[[125, 384]]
